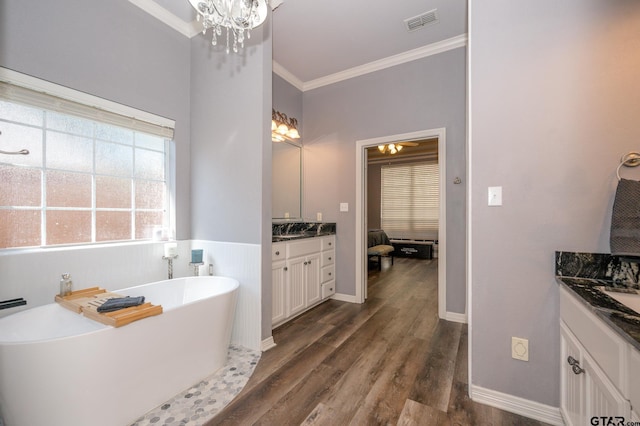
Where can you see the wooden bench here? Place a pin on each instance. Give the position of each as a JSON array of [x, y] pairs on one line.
[[379, 251]]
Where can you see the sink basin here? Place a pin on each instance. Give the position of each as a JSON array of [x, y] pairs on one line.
[[630, 300]]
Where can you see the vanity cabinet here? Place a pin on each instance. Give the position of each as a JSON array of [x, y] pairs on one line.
[[594, 366], [300, 269], [328, 264], [278, 284]]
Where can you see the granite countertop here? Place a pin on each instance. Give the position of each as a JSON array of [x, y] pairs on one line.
[[623, 320], [298, 230], [293, 237]]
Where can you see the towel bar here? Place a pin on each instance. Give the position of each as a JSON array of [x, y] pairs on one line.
[[12, 303]]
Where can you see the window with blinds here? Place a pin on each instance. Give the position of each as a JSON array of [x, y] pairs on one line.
[[90, 176], [410, 200]]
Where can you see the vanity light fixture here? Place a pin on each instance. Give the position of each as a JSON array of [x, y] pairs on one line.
[[283, 127], [236, 16]]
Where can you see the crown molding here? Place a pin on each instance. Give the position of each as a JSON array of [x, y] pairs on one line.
[[187, 29], [401, 58], [289, 77]]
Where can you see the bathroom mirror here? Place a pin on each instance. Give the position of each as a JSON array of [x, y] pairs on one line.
[[286, 180]]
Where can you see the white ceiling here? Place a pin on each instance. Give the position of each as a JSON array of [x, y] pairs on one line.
[[314, 40]]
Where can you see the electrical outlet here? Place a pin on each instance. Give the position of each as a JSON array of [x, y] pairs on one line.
[[520, 349]]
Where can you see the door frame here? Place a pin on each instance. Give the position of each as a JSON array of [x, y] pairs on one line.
[[361, 220]]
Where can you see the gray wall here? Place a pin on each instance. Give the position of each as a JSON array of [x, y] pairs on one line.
[[231, 149], [374, 195], [112, 50], [423, 94], [554, 105]]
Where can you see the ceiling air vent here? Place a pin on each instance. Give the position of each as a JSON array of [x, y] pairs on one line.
[[422, 20]]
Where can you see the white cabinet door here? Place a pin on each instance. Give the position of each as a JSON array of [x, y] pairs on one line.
[[296, 285], [572, 384], [602, 399], [585, 390], [312, 278], [278, 292]]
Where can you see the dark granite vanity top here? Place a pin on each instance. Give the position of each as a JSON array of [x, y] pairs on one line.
[[625, 321], [583, 274], [289, 231]]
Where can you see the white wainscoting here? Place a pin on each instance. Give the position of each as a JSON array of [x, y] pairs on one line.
[[34, 274], [242, 262]]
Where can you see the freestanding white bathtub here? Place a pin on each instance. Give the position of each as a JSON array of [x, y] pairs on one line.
[[60, 368]]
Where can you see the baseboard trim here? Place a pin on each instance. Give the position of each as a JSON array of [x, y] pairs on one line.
[[517, 405], [345, 298], [456, 317], [267, 344]]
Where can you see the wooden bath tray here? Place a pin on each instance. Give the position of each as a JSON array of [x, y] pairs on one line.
[[87, 301]]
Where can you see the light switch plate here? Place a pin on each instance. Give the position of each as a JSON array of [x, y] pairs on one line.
[[495, 195], [344, 207]]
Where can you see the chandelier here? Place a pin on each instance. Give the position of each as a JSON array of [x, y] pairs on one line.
[[283, 127], [236, 16]]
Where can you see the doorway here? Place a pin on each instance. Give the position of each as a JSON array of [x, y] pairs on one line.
[[361, 199]]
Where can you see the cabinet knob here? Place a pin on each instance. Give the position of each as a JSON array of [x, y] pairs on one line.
[[572, 361], [331, 289], [304, 263], [329, 243], [329, 273], [329, 258], [277, 253], [577, 369], [286, 269], [309, 262]]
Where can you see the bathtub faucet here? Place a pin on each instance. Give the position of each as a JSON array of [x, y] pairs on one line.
[[196, 267], [169, 260]]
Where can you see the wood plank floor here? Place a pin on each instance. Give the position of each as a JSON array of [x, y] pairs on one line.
[[388, 361]]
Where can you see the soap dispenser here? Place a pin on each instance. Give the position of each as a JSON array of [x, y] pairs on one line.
[[66, 285]]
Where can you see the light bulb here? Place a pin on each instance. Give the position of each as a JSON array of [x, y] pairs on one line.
[[399, 148], [293, 133], [381, 148], [283, 129]]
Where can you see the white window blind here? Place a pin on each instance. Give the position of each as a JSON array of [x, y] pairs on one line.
[[124, 117], [410, 200]]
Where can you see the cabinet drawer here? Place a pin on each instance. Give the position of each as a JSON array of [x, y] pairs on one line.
[[278, 251], [328, 273], [329, 243], [328, 257], [607, 349], [634, 373], [303, 247], [328, 289]]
